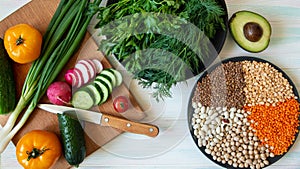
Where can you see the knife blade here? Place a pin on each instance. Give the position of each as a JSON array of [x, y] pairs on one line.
[[103, 119]]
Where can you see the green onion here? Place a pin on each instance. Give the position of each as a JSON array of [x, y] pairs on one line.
[[62, 39]]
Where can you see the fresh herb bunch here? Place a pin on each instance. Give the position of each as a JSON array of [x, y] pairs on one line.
[[160, 42], [128, 7]]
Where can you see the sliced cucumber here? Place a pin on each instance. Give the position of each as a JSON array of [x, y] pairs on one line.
[[97, 93], [83, 99], [104, 89], [118, 76], [105, 79], [111, 75]]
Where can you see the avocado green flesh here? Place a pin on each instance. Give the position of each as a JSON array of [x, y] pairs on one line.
[[237, 23]]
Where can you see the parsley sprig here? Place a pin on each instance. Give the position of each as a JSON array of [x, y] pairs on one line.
[[160, 42]]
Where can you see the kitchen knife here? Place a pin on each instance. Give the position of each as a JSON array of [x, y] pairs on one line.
[[103, 119]]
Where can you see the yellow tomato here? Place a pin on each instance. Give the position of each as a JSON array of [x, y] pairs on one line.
[[38, 149], [23, 43]]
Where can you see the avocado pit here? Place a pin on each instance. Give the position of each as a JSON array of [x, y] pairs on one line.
[[253, 31], [250, 31]]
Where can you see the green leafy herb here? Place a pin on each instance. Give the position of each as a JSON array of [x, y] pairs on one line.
[[160, 42]]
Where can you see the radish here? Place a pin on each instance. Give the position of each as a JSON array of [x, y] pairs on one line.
[[71, 78], [79, 77], [92, 64], [83, 73], [59, 93], [90, 68], [83, 70], [98, 65]]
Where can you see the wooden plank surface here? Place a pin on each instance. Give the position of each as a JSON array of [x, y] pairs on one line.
[[38, 14], [283, 51]]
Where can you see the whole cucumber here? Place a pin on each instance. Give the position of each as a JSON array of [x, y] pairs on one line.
[[72, 135], [7, 82]]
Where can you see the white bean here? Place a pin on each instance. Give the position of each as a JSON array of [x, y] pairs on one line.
[[210, 112], [205, 128], [213, 116], [196, 115], [194, 105], [218, 120], [219, 136], [208, 121], [203, 115], [231, 115], [239, 115], [199, 143], [204, 143], [226, 114], [196, 126], [233, 109], [208, 151], [215, 140], [212, 144], [202, 110], [236, 119], [201, 133], [218, 130]]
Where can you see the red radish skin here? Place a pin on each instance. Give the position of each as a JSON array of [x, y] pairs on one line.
[[90, 69], [79, 77], [83, 70], [59, 93], [70, 77], [92, 64]]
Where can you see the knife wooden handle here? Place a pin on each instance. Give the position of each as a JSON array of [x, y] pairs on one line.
[[129, 126]]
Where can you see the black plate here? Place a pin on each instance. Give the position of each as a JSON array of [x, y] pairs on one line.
[[191, 110], [217, 42]]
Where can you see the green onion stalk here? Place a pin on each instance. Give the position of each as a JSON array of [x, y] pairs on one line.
[[62, 39]]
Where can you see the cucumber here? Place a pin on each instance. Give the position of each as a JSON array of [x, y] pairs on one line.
[[7, 82], [118, 76], [97, 93], [73, 141], [83, 99], [109, 73], [104, 89], [105, 79]]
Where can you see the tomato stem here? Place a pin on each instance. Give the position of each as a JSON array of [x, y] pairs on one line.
[[19, 41], [35, 153]]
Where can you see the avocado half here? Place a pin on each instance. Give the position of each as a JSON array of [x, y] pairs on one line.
[[250, 30]]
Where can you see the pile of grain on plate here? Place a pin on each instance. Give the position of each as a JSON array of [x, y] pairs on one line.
[[245, 113]]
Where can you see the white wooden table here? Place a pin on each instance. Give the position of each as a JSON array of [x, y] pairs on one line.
[[174, 148]]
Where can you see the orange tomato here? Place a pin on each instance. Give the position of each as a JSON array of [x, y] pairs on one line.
[[23, 43], [38, 149]]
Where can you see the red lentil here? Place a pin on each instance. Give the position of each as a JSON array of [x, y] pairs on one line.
[[275, 126]]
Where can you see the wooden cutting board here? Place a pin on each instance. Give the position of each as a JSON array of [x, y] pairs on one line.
[[38, 14]]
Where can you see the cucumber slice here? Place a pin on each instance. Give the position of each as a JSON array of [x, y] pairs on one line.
[[105, 79], [83, 99], [111, 75], [97, 93], [118, 76], [104, 89]]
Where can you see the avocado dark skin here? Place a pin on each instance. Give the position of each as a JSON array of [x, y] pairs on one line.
[[250, 30]]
